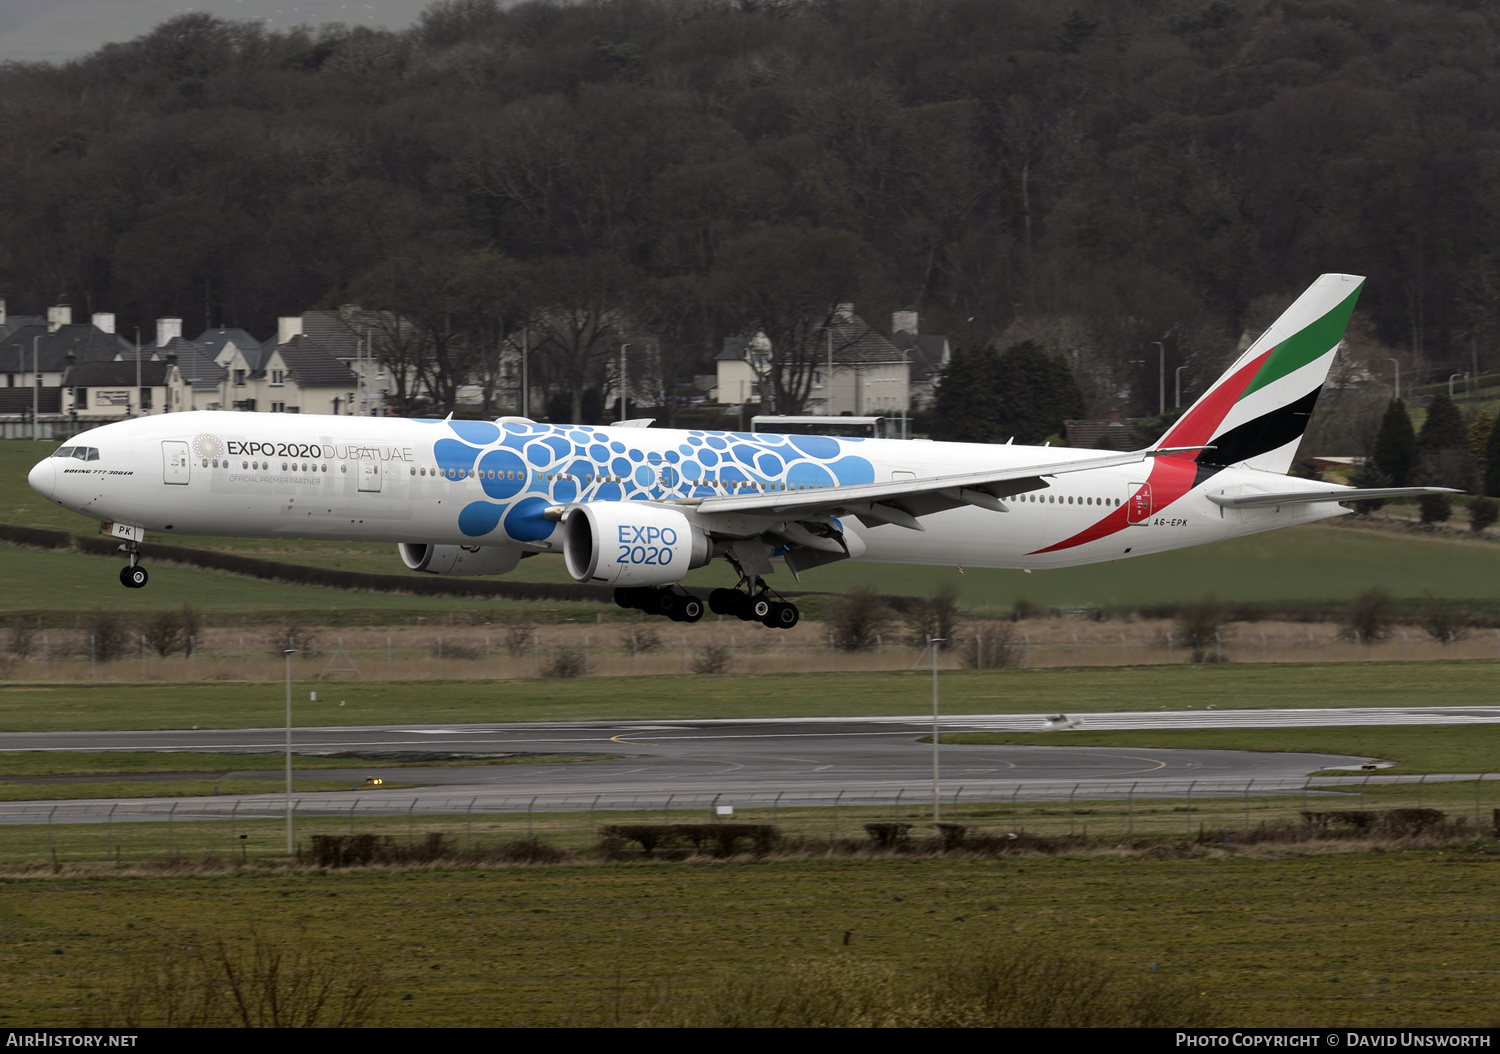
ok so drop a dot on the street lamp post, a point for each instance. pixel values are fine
(290, 651)
(1178, 379)
(1451, 378)
(36, 386)
(1161, 378)
(1396, 364)
(932, 644)
(623, 396)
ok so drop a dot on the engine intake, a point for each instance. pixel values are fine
(459, 559)
(629, 544)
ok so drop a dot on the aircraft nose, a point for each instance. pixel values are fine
(43, 477)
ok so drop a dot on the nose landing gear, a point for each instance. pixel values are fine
(133, 575)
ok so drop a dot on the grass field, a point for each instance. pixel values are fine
(1342, 940)
(223, 704)
(1318, 564)
(50, 775)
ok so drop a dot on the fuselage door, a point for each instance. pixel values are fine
(1138, 505)
(369, 475)
(175, 465)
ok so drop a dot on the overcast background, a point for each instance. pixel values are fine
(58, 30)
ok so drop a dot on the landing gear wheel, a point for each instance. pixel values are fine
(658, 601)
(133, 577)
(688, 609)
(756, 609)
(634, 597)
(725, 601)
(782, 616)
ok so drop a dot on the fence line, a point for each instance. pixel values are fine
(1223, 809)
(372, 803)
(711, 649)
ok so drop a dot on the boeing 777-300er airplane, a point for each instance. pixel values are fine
(636, 508)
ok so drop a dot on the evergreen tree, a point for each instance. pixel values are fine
(1037, 393)
(1492, 465)
(1396, 445)
(1479, 437)
(1444, 427)
(965, 404)
(1444, 448)
(990, 397)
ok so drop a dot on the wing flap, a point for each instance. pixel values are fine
(1307, 497)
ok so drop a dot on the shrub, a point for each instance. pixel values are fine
(1483, 512)
(640, 638)
(1369, 477)
(455, 650)
(857, 618)
(109, 634)
(253, 981)
(1445, 620)
(1025, 609)
(934, 617)
(994, 985)
(889, 835)
(1436, 508)
(292, 635)
(712, 658)
(1198, 628)
(192, 628)
(1370, 616)
(567, 662)
(23, 633)
(519, 638)
(164, 633)
(991, 647)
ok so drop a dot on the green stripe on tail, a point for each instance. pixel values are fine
(1305, 345)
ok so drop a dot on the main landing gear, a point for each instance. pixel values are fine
(661, 600)
(133, 575)
(756, 605)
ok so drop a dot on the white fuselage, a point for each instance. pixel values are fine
(396, 480)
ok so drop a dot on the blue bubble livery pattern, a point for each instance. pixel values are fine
(590, 464)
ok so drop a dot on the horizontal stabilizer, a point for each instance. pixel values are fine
(1306, 497)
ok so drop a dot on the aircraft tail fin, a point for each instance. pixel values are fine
(1256, 412)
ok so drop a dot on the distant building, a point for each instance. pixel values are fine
(1109, 433)
(870, 375)
(114, 390)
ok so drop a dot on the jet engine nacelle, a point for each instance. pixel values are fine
(459, 559)
(630, 544)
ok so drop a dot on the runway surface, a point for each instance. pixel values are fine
(808, 759)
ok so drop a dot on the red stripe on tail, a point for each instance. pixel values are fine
(1198, 425)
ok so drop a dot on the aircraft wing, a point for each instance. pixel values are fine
(1305, 497)
(903, 501)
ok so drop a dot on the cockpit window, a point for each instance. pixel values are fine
(82, 453)
(93, 453)
(66, 451)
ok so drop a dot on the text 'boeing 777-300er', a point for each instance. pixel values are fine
(637, 508)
